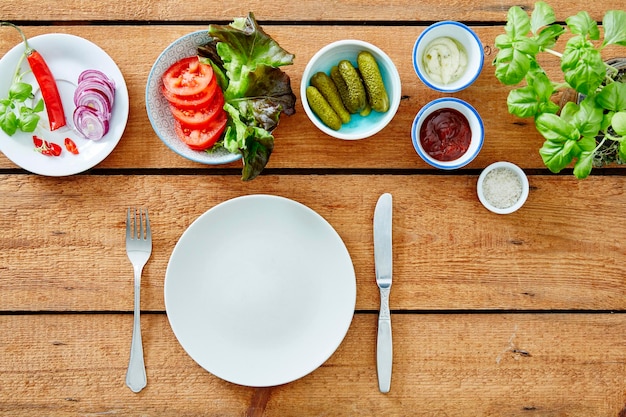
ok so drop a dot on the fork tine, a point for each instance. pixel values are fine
(148, 233)
(128, 223)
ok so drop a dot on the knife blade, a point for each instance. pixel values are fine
(384, 267)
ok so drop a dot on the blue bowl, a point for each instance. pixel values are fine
(464, 36)
(476, 126)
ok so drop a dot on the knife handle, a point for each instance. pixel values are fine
(384, 347)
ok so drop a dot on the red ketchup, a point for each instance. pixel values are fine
(445, 134)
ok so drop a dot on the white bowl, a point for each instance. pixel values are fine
(359, 127)
(502, 187)
(476, 127)
(464, 36)
(157, 106)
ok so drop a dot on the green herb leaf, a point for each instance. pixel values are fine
(511, 66)
(588, 118)
(20, 91)
(582, 24)
(618, 122)
(613, 97)
(584, 164)
(614, 24)
(548, 36)
(555, 129)
(582, 65)
(257, 91)
(8, 121)
(518, 23)
(542, 15)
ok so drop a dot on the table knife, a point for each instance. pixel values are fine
(383, 262)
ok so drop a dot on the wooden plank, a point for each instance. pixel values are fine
(62, 243)
(171, 10)
(461, 365)
(298, 143)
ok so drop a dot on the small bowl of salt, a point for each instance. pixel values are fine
(502, 187)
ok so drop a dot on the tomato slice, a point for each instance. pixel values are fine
(202, 139)
(187, 77)
(199, 118)
(192, 102)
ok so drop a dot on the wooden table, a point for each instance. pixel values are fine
(518, 315)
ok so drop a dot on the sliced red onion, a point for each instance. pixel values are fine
(89, 123)
(95, 99)
(94, 73)
(93, 84)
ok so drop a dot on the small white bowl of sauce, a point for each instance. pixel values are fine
(448, 56)
(448, 133)
(502, 187)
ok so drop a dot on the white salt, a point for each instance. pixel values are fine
(502, 187)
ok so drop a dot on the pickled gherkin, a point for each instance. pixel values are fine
(322, 108)
(328, 88)
(373, 80)
(356, 98)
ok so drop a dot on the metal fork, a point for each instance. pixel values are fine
(138, 249)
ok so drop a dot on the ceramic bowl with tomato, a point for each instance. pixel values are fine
(359, 127)
(447, 133)
(164, 112)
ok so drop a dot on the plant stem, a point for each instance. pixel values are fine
(553, 52)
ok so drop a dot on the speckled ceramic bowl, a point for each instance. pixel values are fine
(158, 109)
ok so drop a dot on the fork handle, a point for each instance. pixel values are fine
(136, 374)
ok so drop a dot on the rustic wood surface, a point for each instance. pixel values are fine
(518, 315)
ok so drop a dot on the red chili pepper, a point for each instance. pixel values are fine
(45, 147)
(70, 145)
(46, 81)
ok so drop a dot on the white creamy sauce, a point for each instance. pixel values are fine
(445, 60)
(502, 187)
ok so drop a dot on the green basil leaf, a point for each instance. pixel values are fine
(511, 66)
(582, 66)
(588, 118)
(553, 128)
(614, 24)
(613, 97)
(543, 15)
(28, 122)
(8, 122)
(618, 121)
(503, 41)
(540, 82)
(20, 91)
(569, 110)
(582, 24)
(555, 156)
(39, 106)
(526, 46)
(548, 36)
(522, 102)
(583, 166)
(518, 23)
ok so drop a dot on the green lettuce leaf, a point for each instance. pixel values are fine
(256, 90)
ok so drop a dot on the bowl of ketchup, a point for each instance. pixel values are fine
(447, 133)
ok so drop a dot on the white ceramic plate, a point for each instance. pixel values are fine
(260, 290)
(67, 56)
(158, 108)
